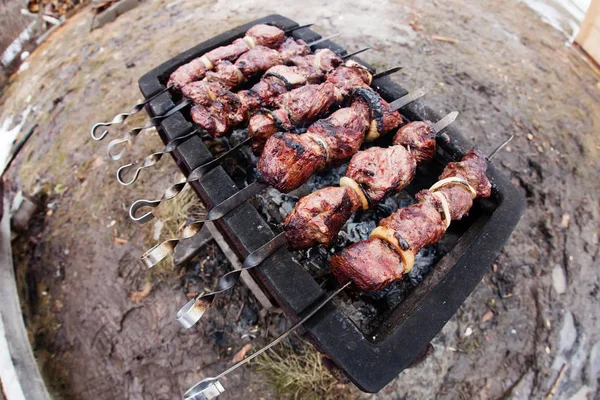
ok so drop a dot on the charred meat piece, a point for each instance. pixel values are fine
(203, 93)
(266, 35)
(382, 118)
(263, 35)
(370, 264)
(288, 160)
(318, 217)
(258, 60)
(323, 59)
(419, 137)
(472, 168)
(380, 171)
(293, 76)
(219, 116)
(226, 74)
(342, 133)
(264, 125)
(350, 76)
(418, 225)
(292, 48)
(307, 103)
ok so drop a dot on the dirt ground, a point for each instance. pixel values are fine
(506, 72)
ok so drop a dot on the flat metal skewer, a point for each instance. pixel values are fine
(120, 118)
(210, 388)
(298, 27)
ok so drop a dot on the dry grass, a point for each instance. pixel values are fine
(174, 214)
(302, 375)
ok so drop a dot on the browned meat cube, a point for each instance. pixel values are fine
(318, 217)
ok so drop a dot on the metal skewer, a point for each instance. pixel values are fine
(191, 313)
(153, 158)
(153, 122)
(120, 118)
(298, 27)
(210, 388)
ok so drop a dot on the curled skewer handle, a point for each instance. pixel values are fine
(120, 118)
(193, 311)
(137, 205)
(131, 135)
(151, 160)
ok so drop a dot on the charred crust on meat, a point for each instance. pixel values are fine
(278, 123)
(365, 191)
(287, 83)
(403, 243)
(373, 102)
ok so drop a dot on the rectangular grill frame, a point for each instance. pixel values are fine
(370, 362)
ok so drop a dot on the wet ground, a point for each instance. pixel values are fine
(530, 327)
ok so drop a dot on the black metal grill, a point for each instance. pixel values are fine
(370, 361)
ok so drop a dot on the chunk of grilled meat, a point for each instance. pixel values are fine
(380, 171)
(263, 35)
(370, 264)
(288, 160)
(319, 217)
(302, 106)
(297, 109)
(323, 59)
(419, 137)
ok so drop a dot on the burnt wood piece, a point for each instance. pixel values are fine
(370, 361)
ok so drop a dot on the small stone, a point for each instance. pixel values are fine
(468, 331)
(158, 227)
(564, 221)
(112, 223)
(547, 350)
(66, 252)
(568, 333)
(508, 149)
(529, 136)
(559, 280)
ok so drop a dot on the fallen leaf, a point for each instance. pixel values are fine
(487, 316)
(120, 240)
(240, 355)
(138, 296)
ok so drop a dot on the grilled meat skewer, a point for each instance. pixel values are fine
(227, 110)
(390, 251)
(259, 35)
